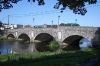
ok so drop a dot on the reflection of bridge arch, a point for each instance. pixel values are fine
(24, 37)
(10, 36)
(43, 40)
(85, 42)
(72, 42)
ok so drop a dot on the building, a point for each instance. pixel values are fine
(12, 26)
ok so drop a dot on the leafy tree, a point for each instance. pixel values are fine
(1, 24)
(77, 6)
(62, 24)
(1, 31)
(6, 4)
(69, 24)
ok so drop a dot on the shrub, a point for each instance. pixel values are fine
(54, 45)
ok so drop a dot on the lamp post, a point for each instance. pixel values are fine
(58, 21)
(33, 23)
(75, 20)
(8, 19)
(52, 24)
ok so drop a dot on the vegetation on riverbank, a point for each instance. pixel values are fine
(3, 38)
(64, 58)
(54, 45)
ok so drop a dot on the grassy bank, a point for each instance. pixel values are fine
(70, 58)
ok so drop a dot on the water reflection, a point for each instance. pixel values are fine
(84, 43)
(7, 47)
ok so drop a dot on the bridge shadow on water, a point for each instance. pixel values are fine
(43, 43)
(72, 42)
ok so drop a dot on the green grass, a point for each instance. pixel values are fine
(48, 59)
(88, 49)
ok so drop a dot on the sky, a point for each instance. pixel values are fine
(30, 13)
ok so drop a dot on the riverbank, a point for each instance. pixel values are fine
(64, 58)
(3, 38)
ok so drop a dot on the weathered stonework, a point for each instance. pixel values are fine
(61, 33)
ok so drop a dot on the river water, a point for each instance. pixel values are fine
(7, 47)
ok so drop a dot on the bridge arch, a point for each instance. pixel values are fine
(24, 37)
(72, 42)
(42, 41)
(10, 36)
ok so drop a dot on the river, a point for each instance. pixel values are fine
(7, 47)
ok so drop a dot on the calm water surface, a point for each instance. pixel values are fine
(7, 47)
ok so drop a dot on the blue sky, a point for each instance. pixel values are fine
(24, 12)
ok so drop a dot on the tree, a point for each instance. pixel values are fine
(77, 6)
(1, 24)
(6, 4)
(69, 24)
(1, 31)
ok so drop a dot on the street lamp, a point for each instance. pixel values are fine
(52, 24)
(58, 21)
(75, 20)
(33, 23)
(8, 19)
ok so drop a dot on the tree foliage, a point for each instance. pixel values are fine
(1, 24)
(77, 6)
(69, 24)
(6, 4)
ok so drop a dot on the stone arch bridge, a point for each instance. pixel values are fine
(69, 34)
